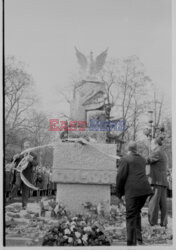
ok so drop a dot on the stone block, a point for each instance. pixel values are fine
(73, 196)
(33, 207)
(18, 241)
(76, 163)
(84, 173)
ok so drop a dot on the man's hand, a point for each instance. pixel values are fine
(29, 158)
(16, 156)
(82, 141)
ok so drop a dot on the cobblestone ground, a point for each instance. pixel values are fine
(27, 228)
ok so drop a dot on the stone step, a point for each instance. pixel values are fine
(118, 243)
(17, 241)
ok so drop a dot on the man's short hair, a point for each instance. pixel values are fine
(132, 146)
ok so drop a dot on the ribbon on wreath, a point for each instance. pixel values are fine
(79, 140)
(20, 168)
(84, 141)
(24, 162)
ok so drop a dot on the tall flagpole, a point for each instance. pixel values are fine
(151, 129)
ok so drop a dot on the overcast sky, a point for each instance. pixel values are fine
(43, 33)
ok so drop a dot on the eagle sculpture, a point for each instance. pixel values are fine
(94, 66)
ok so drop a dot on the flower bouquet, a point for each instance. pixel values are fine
(55, 210)
(76, 231)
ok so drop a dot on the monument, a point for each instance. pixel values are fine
(84, 172)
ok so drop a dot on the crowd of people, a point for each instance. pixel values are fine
(41, 178)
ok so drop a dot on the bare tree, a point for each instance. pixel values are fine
(38, 128)
(133, 88)
(38, 131)
(18, 97)
(157, 109)
(109, 76)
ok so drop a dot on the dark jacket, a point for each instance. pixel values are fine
(131, 178)
(40, 180)
(158, 168)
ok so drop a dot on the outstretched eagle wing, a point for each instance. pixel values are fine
(100, 61)
(82, 60)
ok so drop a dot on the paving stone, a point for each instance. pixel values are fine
(17, 241)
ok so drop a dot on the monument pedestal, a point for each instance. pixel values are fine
(84, 173)
(73, 196)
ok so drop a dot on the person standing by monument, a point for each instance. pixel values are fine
(159, 183)
(132, 182)
(31, 160)
(8, 179)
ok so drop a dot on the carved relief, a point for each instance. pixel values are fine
(89, 95)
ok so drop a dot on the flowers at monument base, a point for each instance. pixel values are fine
(98, 209)
(78, 235)
(67, 231)
(56, 210)
(58, 236)
(87, 229)
(83, 234)
(92, 229)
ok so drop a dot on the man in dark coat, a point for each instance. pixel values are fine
(28, 173)
(133, 183)
(158, 177)
(8, 179)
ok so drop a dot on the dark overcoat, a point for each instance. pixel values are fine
(131, 178)
(158, 168)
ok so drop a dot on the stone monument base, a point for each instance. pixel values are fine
(73, 196)
(84, 173)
